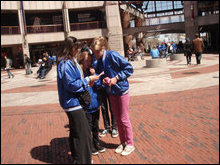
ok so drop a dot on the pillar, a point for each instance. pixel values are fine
(66, 22)
(115, 34)
(191, 19)
(138, 23)
(21, 19)
(126, 24)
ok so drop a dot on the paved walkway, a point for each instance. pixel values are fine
(174, 112)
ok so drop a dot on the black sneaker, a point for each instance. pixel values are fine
(94, 151)
(100, 148)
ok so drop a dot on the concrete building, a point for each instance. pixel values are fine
(32, 27)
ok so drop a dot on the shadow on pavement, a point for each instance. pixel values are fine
(58, 152)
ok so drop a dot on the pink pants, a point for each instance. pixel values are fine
(120, 108)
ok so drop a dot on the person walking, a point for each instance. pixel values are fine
(116, 71)
(27, 62)
(70, 82)
(8, 64)
(198, 48)
(188, 51)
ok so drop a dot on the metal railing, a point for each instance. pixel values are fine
(45, 28)
(87, 25)
(7, 30)
(52, 28)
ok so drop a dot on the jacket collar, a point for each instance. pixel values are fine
(104, 57)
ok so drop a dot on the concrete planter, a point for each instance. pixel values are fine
(155, 63)
(176, 57)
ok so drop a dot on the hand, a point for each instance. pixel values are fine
(91, 84)
(92, 71)
(93, 78)
(113, 81)
(106, 81)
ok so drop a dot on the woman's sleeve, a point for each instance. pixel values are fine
(125, 68)
(72, 82)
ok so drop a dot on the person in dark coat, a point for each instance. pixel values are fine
(27, 62)
(188, 51)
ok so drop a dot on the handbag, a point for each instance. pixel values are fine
(84, 98)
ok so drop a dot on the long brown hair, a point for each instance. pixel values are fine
(67, 53)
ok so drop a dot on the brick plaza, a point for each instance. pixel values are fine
(174, 112)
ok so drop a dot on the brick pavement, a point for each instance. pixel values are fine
(180, 126)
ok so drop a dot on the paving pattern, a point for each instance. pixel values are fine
(174, 112)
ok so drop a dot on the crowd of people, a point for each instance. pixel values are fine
(163, 50)
(45, 65)
(98, 74)
(132, 52)
(188, 48)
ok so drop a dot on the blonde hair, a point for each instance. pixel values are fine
(99, 43)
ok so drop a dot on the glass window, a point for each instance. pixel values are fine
(164, 20)
(154, 21)
(151, 6)
(150, 15)
(178, 12)
(177, 4)
(164, 5)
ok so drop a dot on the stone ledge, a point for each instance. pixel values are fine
(176, 57)
(155, 63)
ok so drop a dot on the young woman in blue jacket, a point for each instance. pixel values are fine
(70, 81)
(116, 71)
(92, 112)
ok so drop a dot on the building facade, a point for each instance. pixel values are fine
(32, 27)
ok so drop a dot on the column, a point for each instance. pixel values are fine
(21, 17)
(191, 19)
(115, 34)
(126, 24)
(66, 22)
(139, 23)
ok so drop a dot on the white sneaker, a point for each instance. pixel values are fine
(119, 149)
(128, 149)
(103, 133)
(114, 133)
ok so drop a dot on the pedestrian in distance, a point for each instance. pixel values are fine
(116, 71)
(8, 63)
(70, 82)
(92, 112)
(27, 62)
(198, 46)
(46, 67)
(188, 51)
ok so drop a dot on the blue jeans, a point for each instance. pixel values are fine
(43, 73)
(9, 73)
(198, 57)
